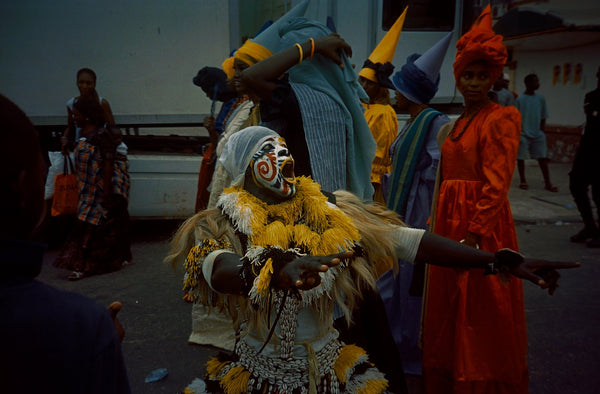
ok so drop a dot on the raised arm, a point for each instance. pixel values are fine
(261, 77)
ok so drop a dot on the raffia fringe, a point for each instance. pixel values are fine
(236, 380)
(350, 355)
(214, 366)
(195, 287)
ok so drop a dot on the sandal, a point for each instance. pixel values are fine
(76, 275)
(551, 188)
(523, 185)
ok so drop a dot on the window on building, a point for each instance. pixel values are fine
(254, 13)
(423, 15)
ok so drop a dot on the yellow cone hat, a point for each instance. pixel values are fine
(384, 52)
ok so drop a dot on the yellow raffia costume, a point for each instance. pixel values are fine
(287, 342)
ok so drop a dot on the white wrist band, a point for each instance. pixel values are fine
(208, 264)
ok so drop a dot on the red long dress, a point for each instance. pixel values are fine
(475, 338)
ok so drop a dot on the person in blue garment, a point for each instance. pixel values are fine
(534, 113)
(213, 82)
(409, 191)
(313, 101)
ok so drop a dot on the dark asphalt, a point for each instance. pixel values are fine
(563, 330)
(564, 350)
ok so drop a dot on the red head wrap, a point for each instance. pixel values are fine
(481, 43)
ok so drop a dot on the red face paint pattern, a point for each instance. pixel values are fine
(267, 169)
(267, 164)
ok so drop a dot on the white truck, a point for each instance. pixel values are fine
(146, 52)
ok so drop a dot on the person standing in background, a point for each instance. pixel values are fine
(409, 193)
(213, 82)
(534, 113)
(374, 77)
(86, 83)
(586, 170)
(100, 240)
(474, 334)
(504, 96)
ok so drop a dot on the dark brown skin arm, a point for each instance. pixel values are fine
(209, 124)
(108, 112)
(65, 137)
(443, 252)
(260, 78)
(225, 276)
(301, 273)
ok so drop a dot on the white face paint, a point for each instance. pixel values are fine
(273, 167)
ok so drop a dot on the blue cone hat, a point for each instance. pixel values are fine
(418, 80)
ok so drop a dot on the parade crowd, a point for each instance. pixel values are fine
(331, 250)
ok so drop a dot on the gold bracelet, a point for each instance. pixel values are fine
(312, 47)
(462, 241)
(301, 53)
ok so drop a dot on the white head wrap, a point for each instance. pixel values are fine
(240, 148)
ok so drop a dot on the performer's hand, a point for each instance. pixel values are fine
(303, 272)
(330, 45)
(114, 308)
(542, 272)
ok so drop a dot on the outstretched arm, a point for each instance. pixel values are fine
(260, 79)
(440, 251)
(301, 273)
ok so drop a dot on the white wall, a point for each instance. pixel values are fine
(145, 52)
(565, 101)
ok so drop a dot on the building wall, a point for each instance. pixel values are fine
(565, 96)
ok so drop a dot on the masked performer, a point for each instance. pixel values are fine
(279, 254)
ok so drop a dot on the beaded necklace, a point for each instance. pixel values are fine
(236, 104)
(466, 126)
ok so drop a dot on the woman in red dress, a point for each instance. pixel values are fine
(475, 338)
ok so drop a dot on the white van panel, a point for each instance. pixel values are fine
(163, 185)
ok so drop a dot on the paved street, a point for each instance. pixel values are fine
(563, 329)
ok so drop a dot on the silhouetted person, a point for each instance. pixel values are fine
(53, 341)
(586, 170)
